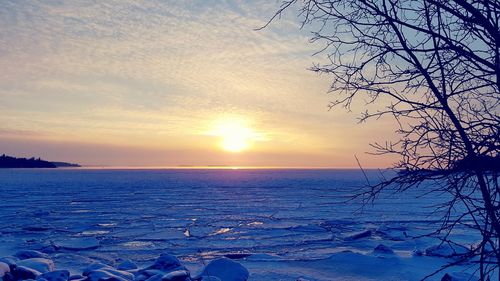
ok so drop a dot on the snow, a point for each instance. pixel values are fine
(279, 224)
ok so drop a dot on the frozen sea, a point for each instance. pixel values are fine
(282, 224)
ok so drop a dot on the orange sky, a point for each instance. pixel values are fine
(167, 84)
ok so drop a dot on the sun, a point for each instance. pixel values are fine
(234, 135)
(233, 143)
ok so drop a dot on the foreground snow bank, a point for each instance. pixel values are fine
(34, 265)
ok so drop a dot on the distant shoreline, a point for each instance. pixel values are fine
(11, 162)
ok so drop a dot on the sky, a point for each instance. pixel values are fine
(170, 83)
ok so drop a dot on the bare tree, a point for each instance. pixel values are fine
(434, 66)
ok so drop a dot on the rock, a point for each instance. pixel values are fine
(359, 235)
(126, 265)
(106, 269)
(167, 263)
(29, 254)
(4, 269)
(23, 273)
(76, 277)
(383, 249)
(209, 278)
(226, 269)
(10, 261)
(156, 277)
(120, 273)
(103, 275)
(178, 275)
(48, 249)
(92, 267)
(58, 275)
(152, 272)
(165, 268)
(141, 277)
(135, 271)
(78, 244)
(8, 277)
(39, 264)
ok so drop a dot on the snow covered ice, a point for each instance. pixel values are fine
(278, 224)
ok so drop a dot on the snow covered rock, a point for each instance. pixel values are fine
(121, 273)
(4, 268)
(100, 270)
(42, 265)
(126, 265)
(58, 275)
(156, 277)
(23, 273)
(140, 276)
(209, 278)
(445, 250)
(167, 263)
(7, 277)
(383, 249)
(226, 269)
(178, 275)
(92, 267)
(152, 272)
(103, 274)
(100, 275)
(10, 261)
(29, 254)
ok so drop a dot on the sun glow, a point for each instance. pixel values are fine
(235, 135)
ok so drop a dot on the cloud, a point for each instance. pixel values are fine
(13, 133)
(156, 72)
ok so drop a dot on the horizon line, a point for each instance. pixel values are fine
(216, 167)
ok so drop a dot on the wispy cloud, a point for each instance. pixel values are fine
(154, 71)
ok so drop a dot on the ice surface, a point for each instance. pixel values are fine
(280, 224)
